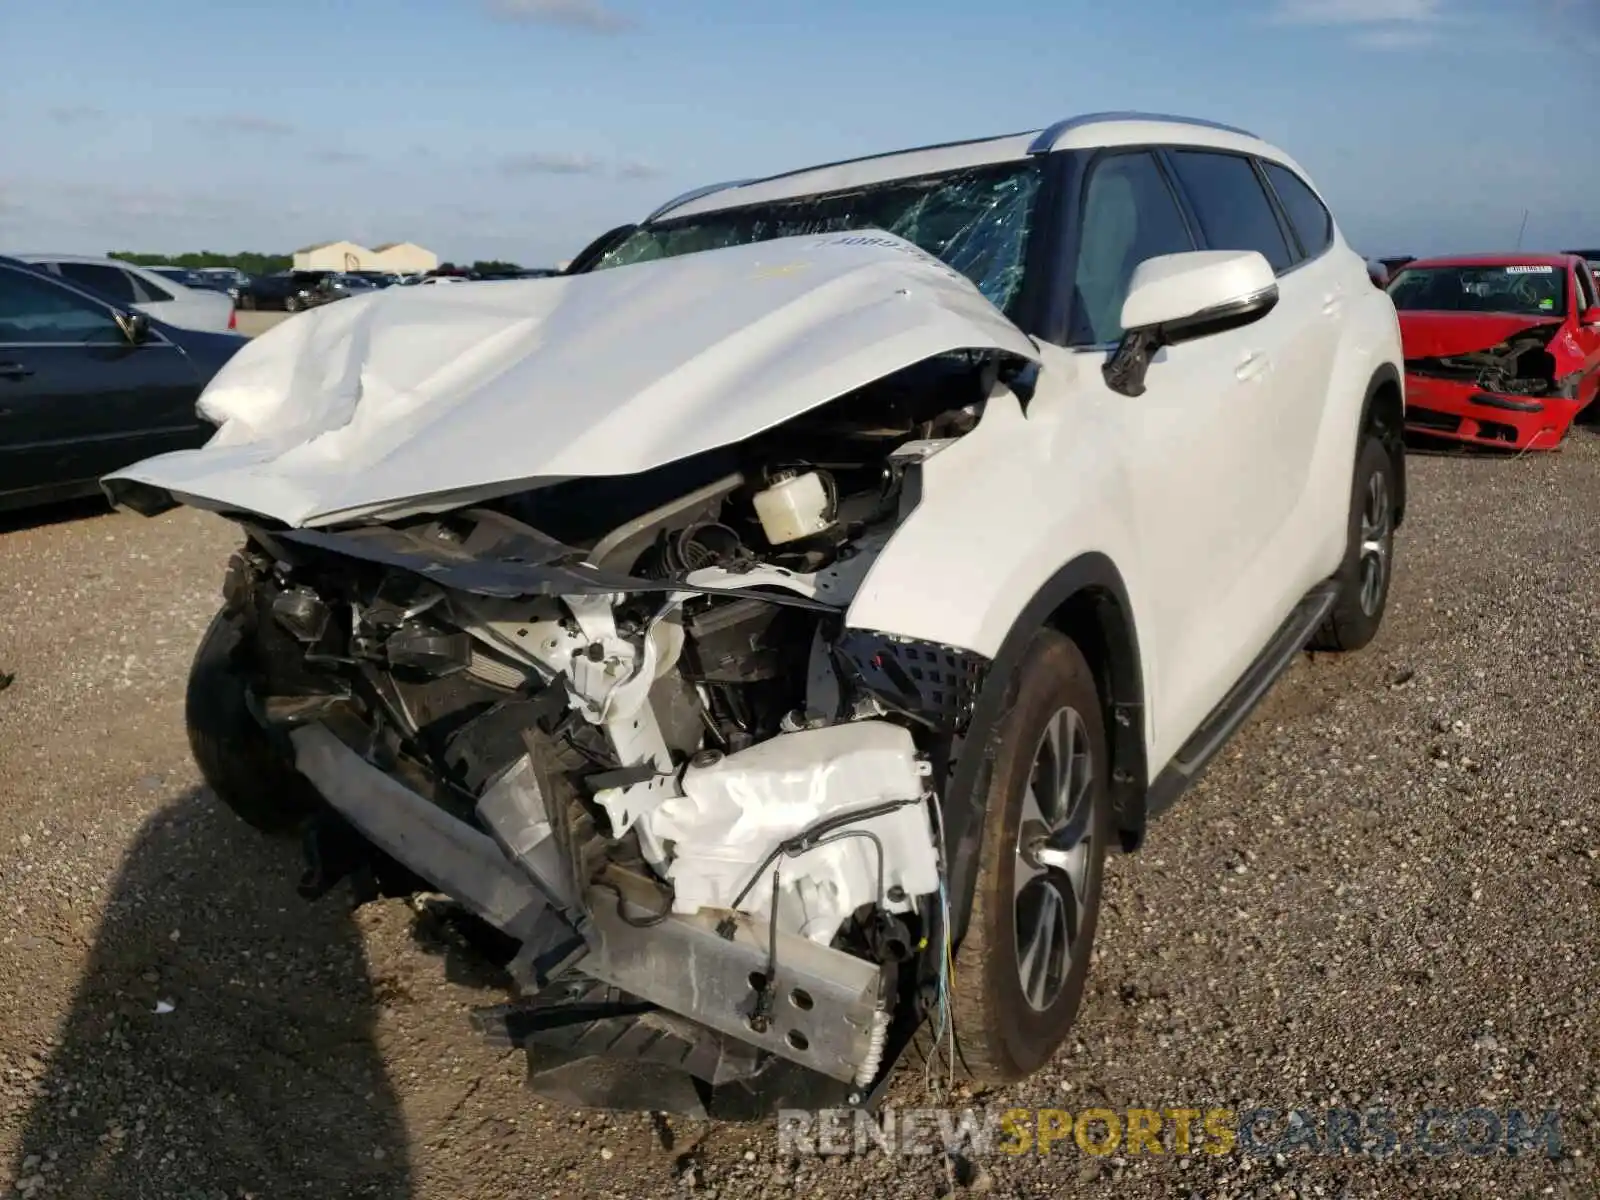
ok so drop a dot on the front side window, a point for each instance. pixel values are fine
(977, 221)
(1129, 215)
(34, 311)
(109, 282)
(1234, 212)
(1310, 219)
(1519, 289)
(1586, 289)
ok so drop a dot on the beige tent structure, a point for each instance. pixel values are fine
(399, 257)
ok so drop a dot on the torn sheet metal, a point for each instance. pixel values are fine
(820, 1010)
(419, 400)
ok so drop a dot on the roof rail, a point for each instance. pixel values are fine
(692, 194)
(1048, 137)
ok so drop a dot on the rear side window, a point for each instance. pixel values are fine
(1129, 215)
(1307, 216)
(109, 282)
(149, 292)
(1234, 211)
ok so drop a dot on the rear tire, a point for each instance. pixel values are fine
(1368, 565)
(1020, 974)
(247, 302)
(232, 750)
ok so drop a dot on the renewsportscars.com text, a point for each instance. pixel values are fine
(1175, 1130)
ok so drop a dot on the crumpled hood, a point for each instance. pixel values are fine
(1443, 334)
(421, 399)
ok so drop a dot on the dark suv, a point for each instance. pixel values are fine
(289, 290)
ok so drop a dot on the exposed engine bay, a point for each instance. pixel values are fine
(1521, 365)
(623, 720)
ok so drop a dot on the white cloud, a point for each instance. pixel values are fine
(250, 124)
(566, 162)
(338, 158)
(1372, 24)
(551, 162)
(71, 114)
(588, 15)
(1395, 37)
(1359, 12)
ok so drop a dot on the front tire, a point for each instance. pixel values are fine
(1368, 565)
(291, 304)
(1020, 975)
(232, 750)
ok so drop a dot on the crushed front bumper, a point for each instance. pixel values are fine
(701, 1008)
(1463, 412)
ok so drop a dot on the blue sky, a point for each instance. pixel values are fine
(520, 128)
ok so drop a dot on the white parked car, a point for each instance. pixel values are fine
(161, 297)
(808, 592)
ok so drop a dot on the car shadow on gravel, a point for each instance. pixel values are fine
(220, 1042)
(60, 513)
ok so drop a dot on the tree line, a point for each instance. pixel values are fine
(247, 261)
(252, 263)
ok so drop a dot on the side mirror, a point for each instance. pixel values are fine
(1591, 316)
(1180, 297)
(135, 327)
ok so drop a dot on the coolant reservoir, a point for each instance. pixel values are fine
(795, 506)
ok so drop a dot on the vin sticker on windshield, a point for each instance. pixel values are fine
(1546, 270)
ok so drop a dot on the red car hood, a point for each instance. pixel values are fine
(1442, 334)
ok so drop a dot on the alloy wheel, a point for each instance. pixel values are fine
(1377, 520)
(1052, 858)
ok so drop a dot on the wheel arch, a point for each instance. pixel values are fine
(1384, 413)
(1087, 601)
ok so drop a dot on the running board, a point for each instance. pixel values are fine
(1223, 722)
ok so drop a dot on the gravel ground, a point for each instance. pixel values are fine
(252, 323)
(1383, 893)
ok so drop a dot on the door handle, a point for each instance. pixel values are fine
(14, 371)
(1333, 302)
(1252, 366)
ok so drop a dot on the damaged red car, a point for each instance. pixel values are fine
(1501, 350)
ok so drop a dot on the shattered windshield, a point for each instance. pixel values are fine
(1530, 290)
(976, 221)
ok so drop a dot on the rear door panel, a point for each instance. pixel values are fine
(76, 399)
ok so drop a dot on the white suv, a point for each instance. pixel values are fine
(772, 622)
